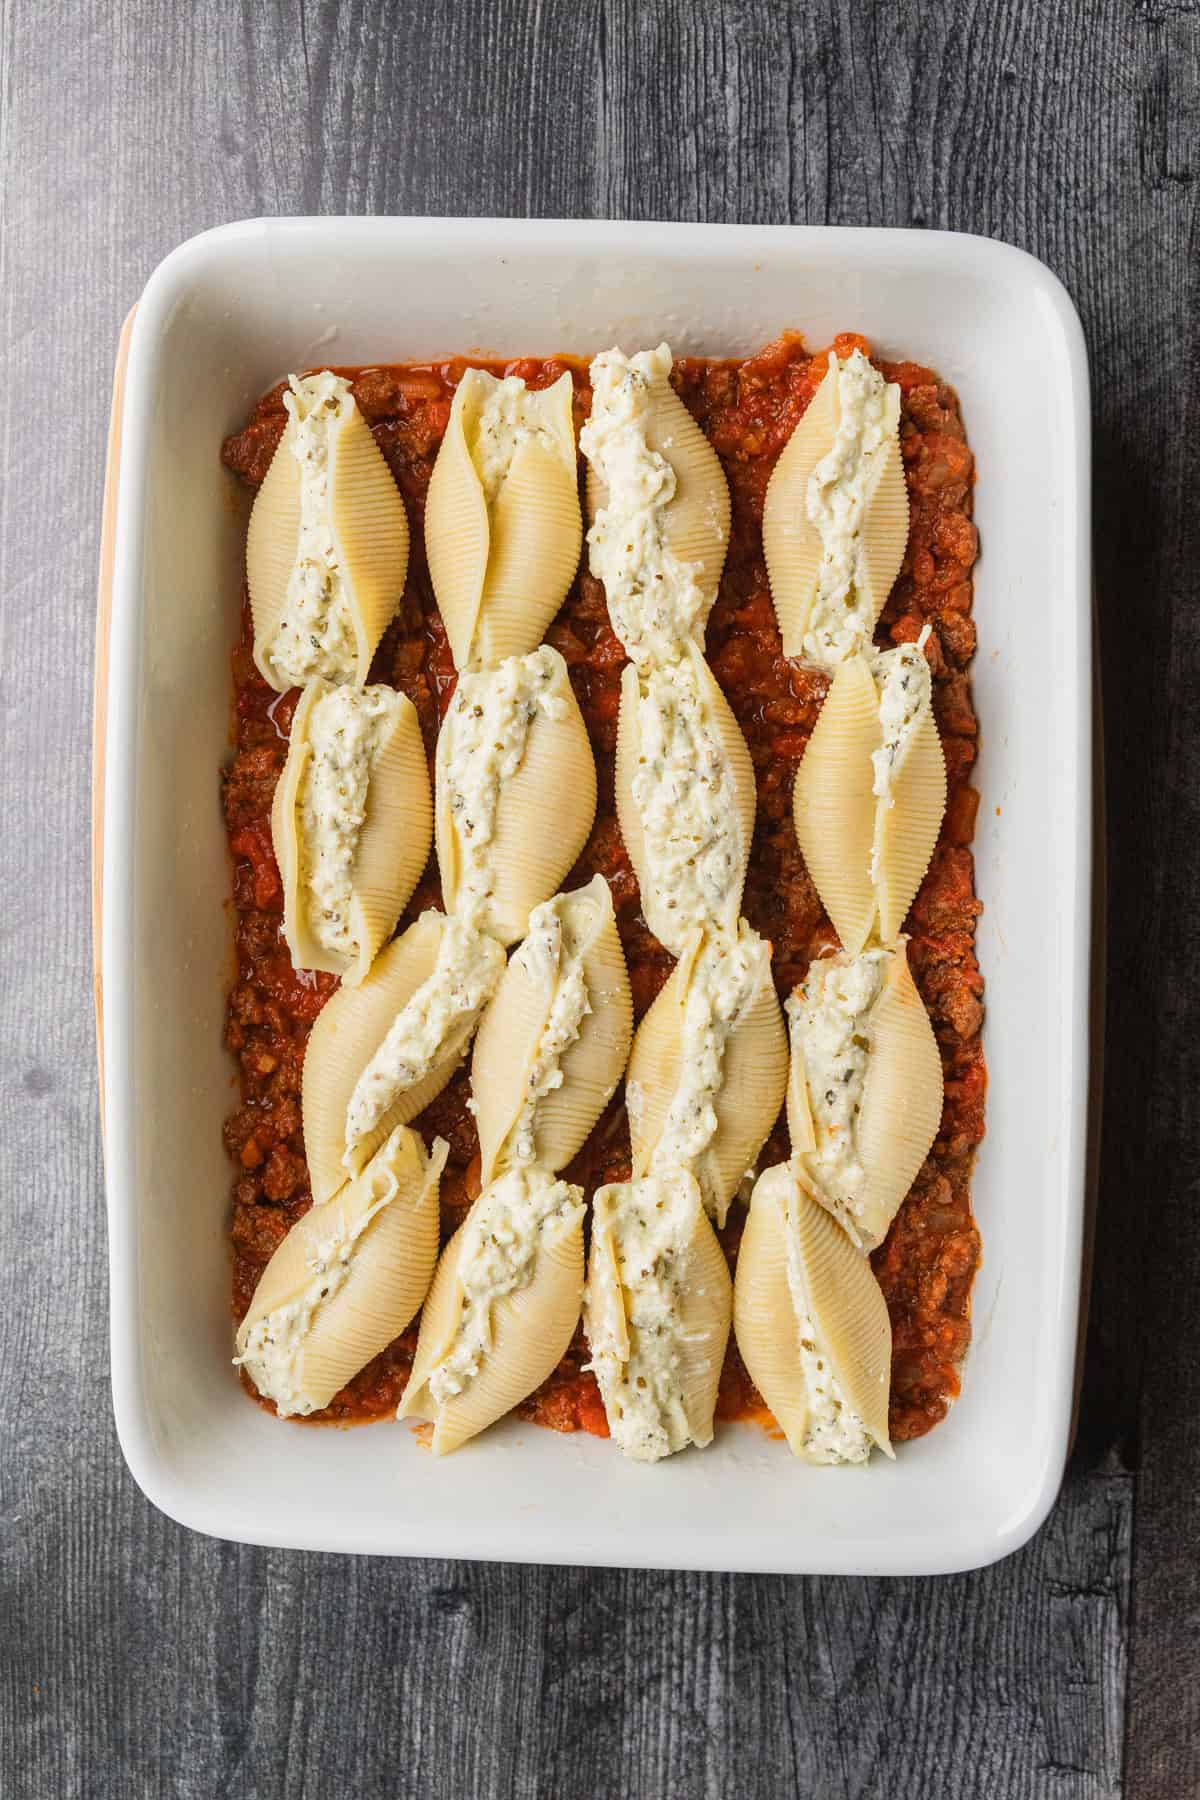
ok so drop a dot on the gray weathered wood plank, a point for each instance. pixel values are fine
(140, 1660)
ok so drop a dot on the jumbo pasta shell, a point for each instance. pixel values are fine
(628, 1357)
(905, 833)
(500, 573)
(530, 1329)
(370, 529)
(543, 818)
(672, 924)
(366, 516)
(392, 846)
(753, 1075)
(834, 804)
(377, 1243)
(792, 544)
(348, 1031)
(846, 1306)
(510, 1053)
(902, 1099)
(695, 521)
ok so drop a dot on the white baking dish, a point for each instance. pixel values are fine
(221, 319)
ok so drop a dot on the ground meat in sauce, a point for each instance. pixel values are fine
(927, 1263)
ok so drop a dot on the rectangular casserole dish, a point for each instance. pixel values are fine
(221, 319)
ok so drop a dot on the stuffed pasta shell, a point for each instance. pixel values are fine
(708, 1070)
(351, 823)
(871, 791)
(685, 797)
(503, 1307)
(658, 503)
(835, 516)
(346, 1280)
(812, 1325)
(656, 1312)
(552, 1045)
(865, 1088)
(380, 1052)
(327, 547)
(502, 522)
(515, 791)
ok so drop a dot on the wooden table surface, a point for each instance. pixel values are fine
(139, 1659)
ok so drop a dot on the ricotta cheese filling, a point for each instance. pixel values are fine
(724, 977)
(315, 636)
(687, 804)
(835, 503)
(553, 959)
(652, 1225)
(346, 728)
(441, 1015)
(499, 1254)
(905, 693)
(834, 1432)
(509, 419)
(274, 1349)
(483, 743)
(654, 600)
(831, 1040)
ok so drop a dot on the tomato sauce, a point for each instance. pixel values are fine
(748, 410)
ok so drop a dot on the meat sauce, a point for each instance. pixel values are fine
(748, 410)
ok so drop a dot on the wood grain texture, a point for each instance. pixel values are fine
(137, 1659)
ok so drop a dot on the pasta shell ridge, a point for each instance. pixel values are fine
(457, 528)
(393, 846)
(655, 1060)
(845, 1306)
(834, 804)
(883, 534)
(752, 1091)
(906, 832)
(346, 1034)
(271, 542)
(848, 1310)
(530, 1329)
(902, 1099)
(764, 1318)
(512, 1031)
(791, 542)
(536, 536)
(375, 1243)
(370, 529)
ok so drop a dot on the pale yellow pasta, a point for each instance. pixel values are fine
(503, 1307)
(346, 1280)
(327, 547)
(502, 521)
(553, 1043)
(812, 1325)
